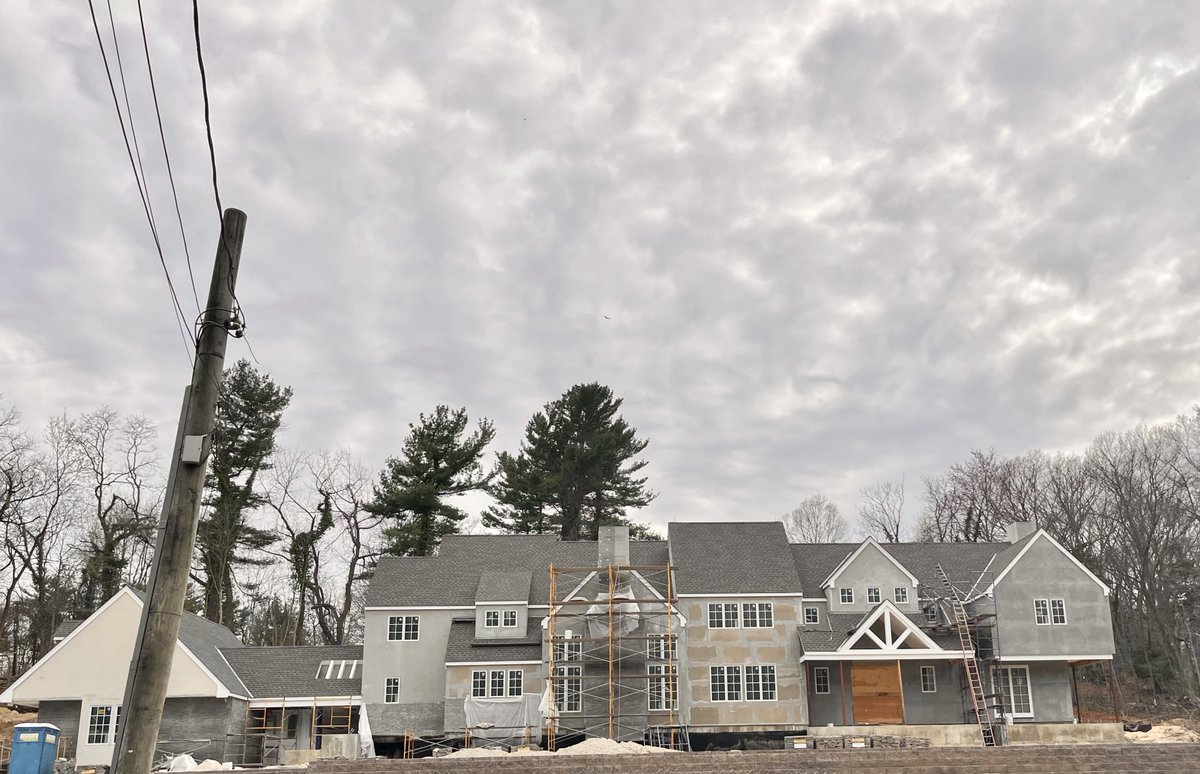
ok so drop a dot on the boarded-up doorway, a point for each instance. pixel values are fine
(877, 694)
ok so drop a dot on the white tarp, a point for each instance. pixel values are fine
(626, 614)
(366, 745)
(503, 718)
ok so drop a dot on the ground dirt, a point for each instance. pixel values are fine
(1173, 730)
(586, 747)
(9, 718)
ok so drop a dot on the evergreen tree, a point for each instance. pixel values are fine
(249, 414)
(576, 470)
(436, 462)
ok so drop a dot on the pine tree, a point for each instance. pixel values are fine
(436, 462)
(249, 414)
(576, 469)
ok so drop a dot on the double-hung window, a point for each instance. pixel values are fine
(516, 682)
(661, 647)
(664, 688)
(820, 679)
(568, 688)
(846, 596)
(928, 679)
(391, 690)
(931, 614)
(404, 627)
(570, 649)
(491, 619)
(496, 683)
(725, 683)
(812, 615)
(1015, 690)
(760, 682)
(1058, 611)
(758, 615)
(101, 728)
(479, 683)
(510, 619)
(900, 594)
(1041, 612)
(722, 615)
(874, 597)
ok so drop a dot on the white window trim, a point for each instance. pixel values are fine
(932, 672)
(670, 678)
(746, 682)
(842, 596)
(1008, 701)
(725, 683)
(758, 609)
(828, 682)
(849, 560)
(568, 672)
(516, 619)
(403, 628)
(737, 608)
(878, 595)
(509, 682)
(110, 735)
(899, 591)
(817, 618)
(471, 689)
(1063, 604)
(1045, 602)
(489, 615)
(387, 680)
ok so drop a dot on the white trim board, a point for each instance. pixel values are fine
(300, 702)
(1041, 533)
(1066, 657)
(495, 664)
(837, 571)
(747, 595)
(886, 610)
(402, 608)
(882, 656)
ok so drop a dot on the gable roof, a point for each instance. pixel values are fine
(849, 560)
(462, 647)
(65, 628)
(963, 562)
(1009, 558)
(836, 629)
(290, 671)
(452, 578)
(732, 558)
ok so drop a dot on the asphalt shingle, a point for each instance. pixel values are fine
(733, 558)
(503, 586)
(463, 647)
(963, 562)
(292, 671)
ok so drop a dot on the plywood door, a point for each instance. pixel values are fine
(876, 692)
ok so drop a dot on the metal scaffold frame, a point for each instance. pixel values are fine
(967, 615)
(621, 610)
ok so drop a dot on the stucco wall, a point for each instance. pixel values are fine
(1050, 687)
(1044, 572)
(420, 664)
(827, 707)
(871, 568)
(942, 706)
(501, 632)
(714, 647)
(94, 662)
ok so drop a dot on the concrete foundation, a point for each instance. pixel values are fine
(966, 735)
(1066, 733)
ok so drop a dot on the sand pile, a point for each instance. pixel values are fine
(1167, 731)
(10, 717)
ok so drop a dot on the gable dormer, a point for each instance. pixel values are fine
(867, 577)
(502, 605)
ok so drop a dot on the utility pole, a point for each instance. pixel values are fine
(150, 669)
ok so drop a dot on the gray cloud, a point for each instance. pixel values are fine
(833, 244)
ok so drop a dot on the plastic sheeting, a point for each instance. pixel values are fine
(505, 718)
(626, 614)
(366, 745)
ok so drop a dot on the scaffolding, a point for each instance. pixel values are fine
(966, 612)
(611, 650)
(330, 720)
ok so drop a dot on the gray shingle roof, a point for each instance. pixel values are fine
(205, 639)
(452, 577)
(836, 627)
(66, 627)
(463, 647)
(963, 562)
(733, 558)
(503, 586)
(291, 671)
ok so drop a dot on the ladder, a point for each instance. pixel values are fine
(669, 737)
(983, 717)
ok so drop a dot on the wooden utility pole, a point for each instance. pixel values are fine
(146, 690)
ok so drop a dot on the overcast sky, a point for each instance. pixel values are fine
(812, 245)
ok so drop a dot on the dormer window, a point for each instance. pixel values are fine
(510, 619)
(491, 619)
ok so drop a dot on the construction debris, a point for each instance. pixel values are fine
(1174, 730)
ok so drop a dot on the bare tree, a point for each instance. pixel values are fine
(816, 520)
(881, 511)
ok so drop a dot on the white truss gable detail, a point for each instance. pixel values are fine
(889, 631)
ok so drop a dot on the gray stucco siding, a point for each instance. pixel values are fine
(826, 708)
(419, 664)
(871, 568)
(1044, 572)
(944, 705)
(483, 632)
(1050, 691)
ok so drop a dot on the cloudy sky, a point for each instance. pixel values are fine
(812, 245)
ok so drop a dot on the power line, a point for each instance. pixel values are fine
(167, 156)
(180, 317)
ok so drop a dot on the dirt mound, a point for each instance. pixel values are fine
(1174, 730)
(9, 718)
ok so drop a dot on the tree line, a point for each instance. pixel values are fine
(287, 539)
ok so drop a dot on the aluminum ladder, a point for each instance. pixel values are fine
(983, 716)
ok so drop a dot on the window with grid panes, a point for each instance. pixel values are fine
(661, 647)
(723, 615)
(516, 682)
(900, 593)
(568, 688)
(812, 615)
(873, 595)
(1041, 612)
(496, 683)
(928, 680)
(758, 615)
(404, 627)
(100, 725)
(510, 618)
(570, 649)
(725, 683)
(846, 596)
(391, 690)
(479, 683)
(820, 679)
(1058, 611)
(760, 682)
(491, 619)
(663, 691)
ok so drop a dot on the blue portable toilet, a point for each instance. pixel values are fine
(34, 747)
